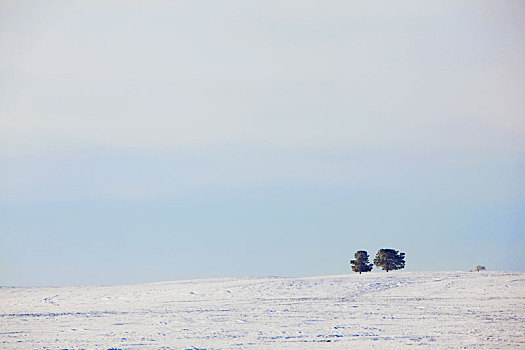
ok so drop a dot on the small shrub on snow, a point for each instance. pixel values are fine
(479, 268)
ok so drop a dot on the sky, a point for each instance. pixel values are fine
(145, 141)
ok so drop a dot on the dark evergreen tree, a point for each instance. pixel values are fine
(361, 263)
(389, 259)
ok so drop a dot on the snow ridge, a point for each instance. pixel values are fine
(440, 310)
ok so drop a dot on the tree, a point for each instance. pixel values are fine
(389, 259)
(361, 263)
(479, 268)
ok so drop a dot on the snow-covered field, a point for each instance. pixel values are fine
(374, 310)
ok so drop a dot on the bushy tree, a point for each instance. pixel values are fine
(361, 263)
(389, 259)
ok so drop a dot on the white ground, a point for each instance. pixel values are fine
(373, 310)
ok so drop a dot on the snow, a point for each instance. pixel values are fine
(395, 310)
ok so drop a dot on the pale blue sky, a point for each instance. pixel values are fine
(158, 140)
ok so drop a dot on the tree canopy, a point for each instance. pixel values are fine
(389, 259)
(361, 263)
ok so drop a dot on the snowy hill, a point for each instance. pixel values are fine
(374, 310)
